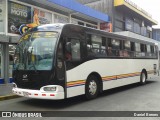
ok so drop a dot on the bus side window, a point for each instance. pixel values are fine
(68, 51)
(148, 54)
(72, 50)
(143, 50)
(153, 51)
(138, 50)
(103, 47)
(96, 45)
(89, 46)
(60, 51)
(109, 47)
(115, 47)
(132, 49)
(127, 48)
(75, 50)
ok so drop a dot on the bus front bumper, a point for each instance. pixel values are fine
(41, 94)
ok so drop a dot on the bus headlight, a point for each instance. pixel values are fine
(49, 88)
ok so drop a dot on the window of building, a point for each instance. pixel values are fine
(91, 26)
(137, 28)
(60, 19)
(80, 23)
(128, 24)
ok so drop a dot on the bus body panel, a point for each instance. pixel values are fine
(113, 72)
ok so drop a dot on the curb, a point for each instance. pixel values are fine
(7, 97)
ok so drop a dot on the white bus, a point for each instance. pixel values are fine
(58, 61)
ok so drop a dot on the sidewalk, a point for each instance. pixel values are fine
(6, 92)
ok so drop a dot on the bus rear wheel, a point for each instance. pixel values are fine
(143, 78)
(91, 87)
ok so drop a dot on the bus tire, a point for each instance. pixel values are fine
(91, 87)
(143, 78)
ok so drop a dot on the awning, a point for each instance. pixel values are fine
(80, 8)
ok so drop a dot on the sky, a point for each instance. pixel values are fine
(152, 7)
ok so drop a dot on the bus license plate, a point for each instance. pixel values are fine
(26, 94)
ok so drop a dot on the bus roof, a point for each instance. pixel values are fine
(59, 27)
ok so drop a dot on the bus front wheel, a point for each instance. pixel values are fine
(91, 87)
(143, 78)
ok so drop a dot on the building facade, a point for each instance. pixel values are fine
(125, 15)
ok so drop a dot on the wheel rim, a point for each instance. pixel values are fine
(92, 87)
(143, 77)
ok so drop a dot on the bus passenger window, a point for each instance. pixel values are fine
(89, 46)
(148, 54)
(132, 49)
(60, 51)
(138, 50)
(72, 50)
(68, 51)
(115, 47)
(109, 49)
(127, 48)
(153, 51)
(75, 49)
(143, 50)
(103, 47)
(96, 45)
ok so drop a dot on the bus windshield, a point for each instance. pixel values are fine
(35, 51)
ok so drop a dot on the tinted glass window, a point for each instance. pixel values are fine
(72, 50)
(96, 46)
(137, 46)
(127, 45)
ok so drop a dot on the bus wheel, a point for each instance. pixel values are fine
(91, 87)
(143, 78)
